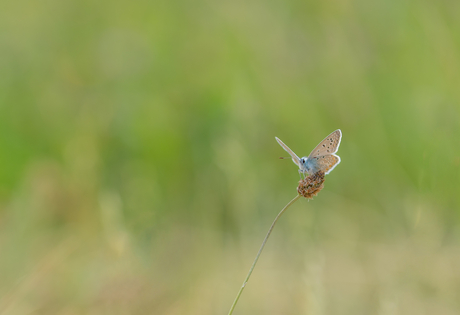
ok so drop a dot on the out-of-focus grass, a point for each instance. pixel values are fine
(139, 170)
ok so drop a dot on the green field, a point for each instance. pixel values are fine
(139, 170)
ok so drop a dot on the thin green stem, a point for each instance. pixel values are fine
(260, 251)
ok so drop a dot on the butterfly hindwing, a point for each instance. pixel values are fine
(325, 163)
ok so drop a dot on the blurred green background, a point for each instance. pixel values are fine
(139, 170)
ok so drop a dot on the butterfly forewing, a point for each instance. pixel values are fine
(294, 156)
(328, 146)
(326, 163)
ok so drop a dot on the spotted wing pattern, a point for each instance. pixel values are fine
(328, 146)
(294, 157)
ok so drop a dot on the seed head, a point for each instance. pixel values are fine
(311, 185)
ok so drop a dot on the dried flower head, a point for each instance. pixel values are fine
(311, 185)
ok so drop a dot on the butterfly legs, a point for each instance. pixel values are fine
(302, 173)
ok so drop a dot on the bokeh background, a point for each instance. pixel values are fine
(139, 170)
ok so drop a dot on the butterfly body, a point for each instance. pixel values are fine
(322, 158)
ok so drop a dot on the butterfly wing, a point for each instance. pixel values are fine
(294, 157)
(328, 146)
(325, 163)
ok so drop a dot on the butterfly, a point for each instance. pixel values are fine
(322, 158)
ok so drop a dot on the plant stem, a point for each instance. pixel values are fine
(260, 251)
